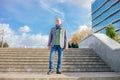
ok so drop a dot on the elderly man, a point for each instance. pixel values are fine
(57, 42)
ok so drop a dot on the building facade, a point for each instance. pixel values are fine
(105, 12)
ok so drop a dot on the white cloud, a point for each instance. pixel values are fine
(81, 27)
(28, 40)
(83, 3)
(24, 29)
(82, 30)
(7, 29)
(92, 1)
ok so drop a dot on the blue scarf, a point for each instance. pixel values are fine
(58, 26)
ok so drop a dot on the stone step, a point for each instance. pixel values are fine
(44, 49)
(30, 51)
(19, 55)
(43, 52)
(72, 68)
(32, 63)
(82, 59)
(46, 60)
(45, 70)
(63, 76)
(54, 61)
(34, 49)
(46, 65)
(46, 57)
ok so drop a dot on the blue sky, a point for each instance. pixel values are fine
(28, 22)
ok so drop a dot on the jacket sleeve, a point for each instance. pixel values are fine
(50, 38)
(65, 39)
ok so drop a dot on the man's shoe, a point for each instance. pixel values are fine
(58, 72)
(49, 72)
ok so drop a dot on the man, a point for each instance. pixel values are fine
(57, 42)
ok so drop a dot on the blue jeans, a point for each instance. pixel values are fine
(52, 56)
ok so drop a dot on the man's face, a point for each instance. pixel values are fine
(58, 21)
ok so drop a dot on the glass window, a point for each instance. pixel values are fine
(96, 4)
(114, 8)
(118, 32)
(101, 9)
(117, 25)
(110, 19)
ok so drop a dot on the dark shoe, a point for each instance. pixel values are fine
(58, 72)
(49, 72)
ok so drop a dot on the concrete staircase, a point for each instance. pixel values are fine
(36, 60)
(32, 64)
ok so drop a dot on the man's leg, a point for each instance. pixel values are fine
(60, 55)
(51, 58)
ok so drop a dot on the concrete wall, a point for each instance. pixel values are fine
(106, 48)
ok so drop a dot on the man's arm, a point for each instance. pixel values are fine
(50, 39)
(65, 40)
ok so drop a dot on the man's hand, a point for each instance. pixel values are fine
(48, 47)
(66, 48)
